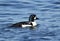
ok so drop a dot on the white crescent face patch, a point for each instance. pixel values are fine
(34, 17)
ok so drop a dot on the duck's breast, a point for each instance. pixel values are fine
(34, 23)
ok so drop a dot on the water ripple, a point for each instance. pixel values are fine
(56, 2)
(6, 4)
(12, 11)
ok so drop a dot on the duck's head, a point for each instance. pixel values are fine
(33, 17)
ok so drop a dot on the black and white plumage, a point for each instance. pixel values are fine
(29, 23)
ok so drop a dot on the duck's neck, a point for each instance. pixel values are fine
(31, 19)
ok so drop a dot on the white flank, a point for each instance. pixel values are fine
(26, 25)
(33, 24)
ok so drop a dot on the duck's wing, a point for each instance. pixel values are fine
(19, 24)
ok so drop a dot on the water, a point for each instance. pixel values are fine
(12, 11)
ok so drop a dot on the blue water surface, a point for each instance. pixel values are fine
(13, 11)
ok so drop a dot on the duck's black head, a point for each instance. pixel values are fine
(33, 17)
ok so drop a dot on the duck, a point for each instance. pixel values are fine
(30, 23)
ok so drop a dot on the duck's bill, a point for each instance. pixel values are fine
(37, 18)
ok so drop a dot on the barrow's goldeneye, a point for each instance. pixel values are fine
(30, 23)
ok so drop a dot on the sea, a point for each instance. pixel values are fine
(14, 11)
